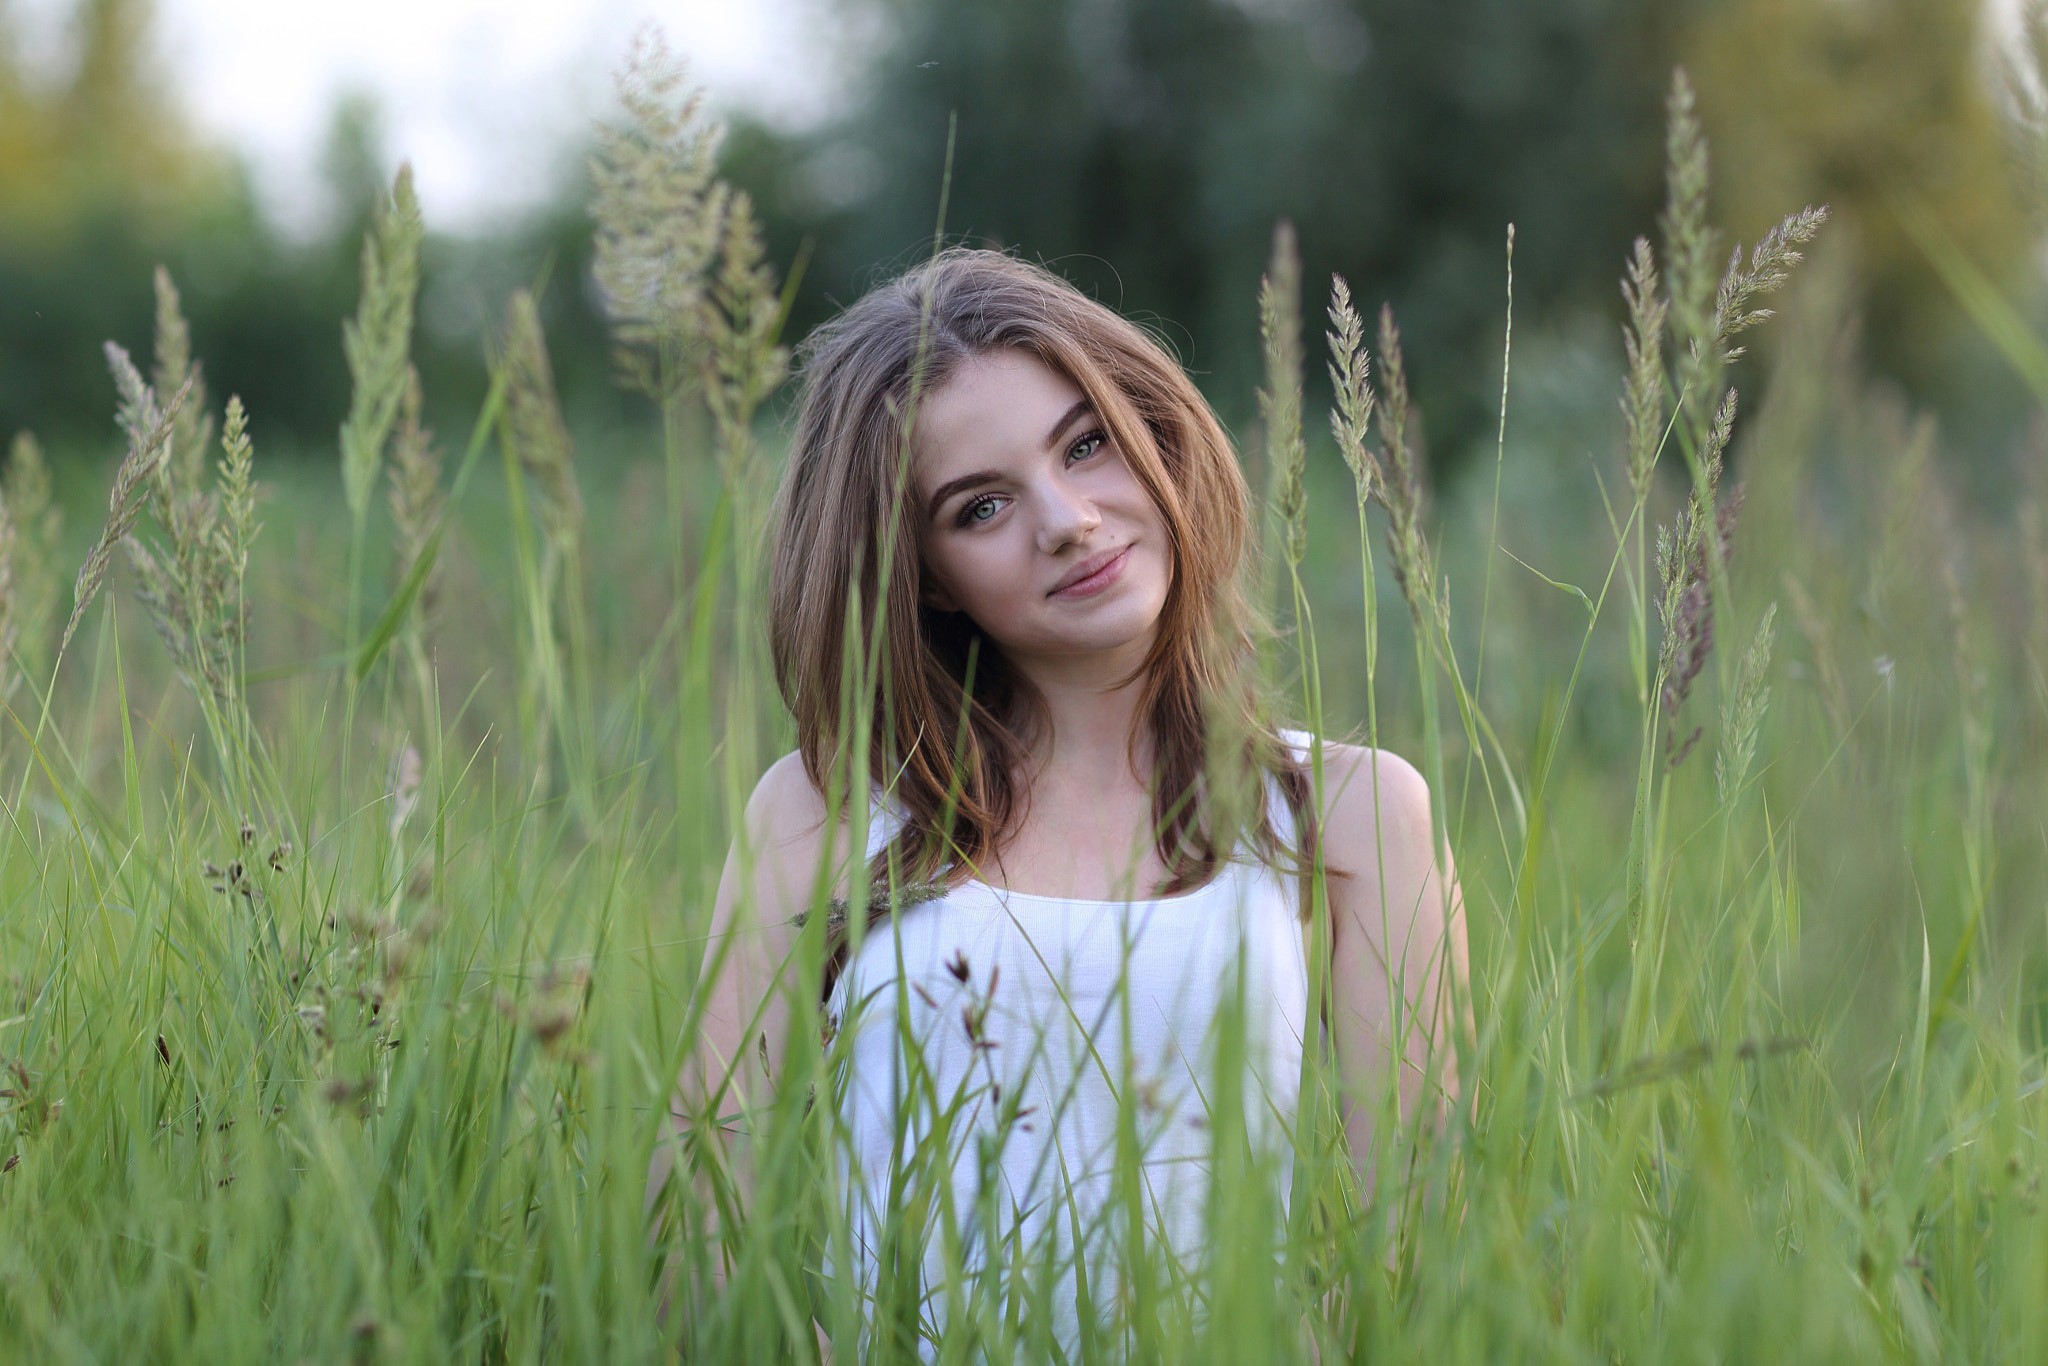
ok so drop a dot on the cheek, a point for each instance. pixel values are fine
(968, 571)
(1138, 498)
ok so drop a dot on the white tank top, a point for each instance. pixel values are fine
(1013, 1003)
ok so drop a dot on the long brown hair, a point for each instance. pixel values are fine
(845, 558)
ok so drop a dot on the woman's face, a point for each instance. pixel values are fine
(1020, 491)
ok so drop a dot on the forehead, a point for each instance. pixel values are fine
(995, 406)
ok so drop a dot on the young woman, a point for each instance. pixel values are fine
(1030, 502)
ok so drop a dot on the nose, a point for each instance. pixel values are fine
(1069, 516)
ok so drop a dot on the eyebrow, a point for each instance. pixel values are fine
(980, 477)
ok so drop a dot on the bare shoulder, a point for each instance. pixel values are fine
(787, 817)
(1397, 931)
(1362, 784)
(786, 803)
(1374, 803)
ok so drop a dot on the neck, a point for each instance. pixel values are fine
(1092, 716)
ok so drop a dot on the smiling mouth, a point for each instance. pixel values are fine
(1094, 582)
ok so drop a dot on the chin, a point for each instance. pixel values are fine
(1134, 625)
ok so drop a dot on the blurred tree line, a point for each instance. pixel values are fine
(1145, 147)
(102, 177)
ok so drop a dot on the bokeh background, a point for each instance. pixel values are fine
(1766, 1052)
(1145, 147)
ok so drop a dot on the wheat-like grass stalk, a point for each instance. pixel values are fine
(192, 432)
(1642, 402)
(1770, 266)
(744, 364)
(191, 582)
(1403, 490)
(1351, 386)
(1742, 714)
(540, 437)
(416, 497)
(135, 403)
(191, 587)
(537, 443)
(236, 528)
(1689, 243)
(660, 211)
(378, 341)
(1280, 399)
(1685, 561)
(149, 444)
(38, 522)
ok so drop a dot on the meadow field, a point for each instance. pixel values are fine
(363, 818)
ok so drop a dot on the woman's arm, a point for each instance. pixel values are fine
(1399, 940)
(746, 1022)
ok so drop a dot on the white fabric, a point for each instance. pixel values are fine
(1055, 965)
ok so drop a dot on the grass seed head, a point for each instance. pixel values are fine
(1770, 266)
(1689, 243)
(743, 316)
(540, 437)
(37, 523)
(149, 437)
(1280, 399)
(1351, 383)
(192, 432)
(415, 492)
(1402, 491)
(1742, 715)
(1686, 605)
(236, 530)
(378, 340)
(191, 583)
(136, 407)
(1642, 402)
(660, 211)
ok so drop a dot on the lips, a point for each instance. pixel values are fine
(1089, 567)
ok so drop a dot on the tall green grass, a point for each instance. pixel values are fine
(353, 919)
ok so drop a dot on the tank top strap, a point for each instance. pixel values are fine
(1298, 743)
(885, 817)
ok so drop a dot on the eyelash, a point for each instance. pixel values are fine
(967, 518)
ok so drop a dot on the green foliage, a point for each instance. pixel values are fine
(1865, 107)
(355, 1041)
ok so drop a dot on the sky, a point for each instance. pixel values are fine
(484, 97)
